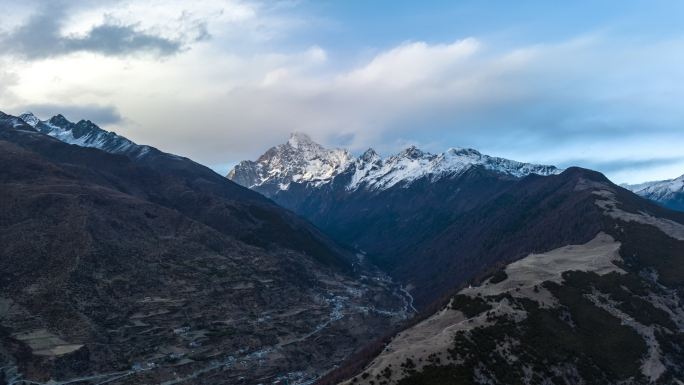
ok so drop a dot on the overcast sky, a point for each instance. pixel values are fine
(595, 84)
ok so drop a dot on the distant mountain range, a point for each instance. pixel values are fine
(668, 193)
(303, 161)
(86, 134)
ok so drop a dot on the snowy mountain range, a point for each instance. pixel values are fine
(301, 160)
(85, 133)
(669, 193)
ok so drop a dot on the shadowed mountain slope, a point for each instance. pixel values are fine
(146, 270)
(589, 289)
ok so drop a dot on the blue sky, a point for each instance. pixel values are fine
(382, 23)
(589, 83)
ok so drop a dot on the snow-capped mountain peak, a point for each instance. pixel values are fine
(412, 152)
(370, 156)
(301, 160)
(669, 193)
(458, 151)
(30, 119)
(14, 121)
(303, 141)
(59, 120)
(85, 134)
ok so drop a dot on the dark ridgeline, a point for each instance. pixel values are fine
(605, 329)
(535, 214)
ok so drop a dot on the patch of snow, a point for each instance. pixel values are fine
(412, 164)
(300, 160)
(30, 119)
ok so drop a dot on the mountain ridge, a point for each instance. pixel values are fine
(668, 193)
(306, 161)
(602, 306)
(86, 134)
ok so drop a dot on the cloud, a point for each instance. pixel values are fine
(41, 37)
(7, 79)
(110, 39)
(592, 96)
(596, 98)
(624, 165)
(412, 63)
(101, 115)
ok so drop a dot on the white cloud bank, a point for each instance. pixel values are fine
(228, 97)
